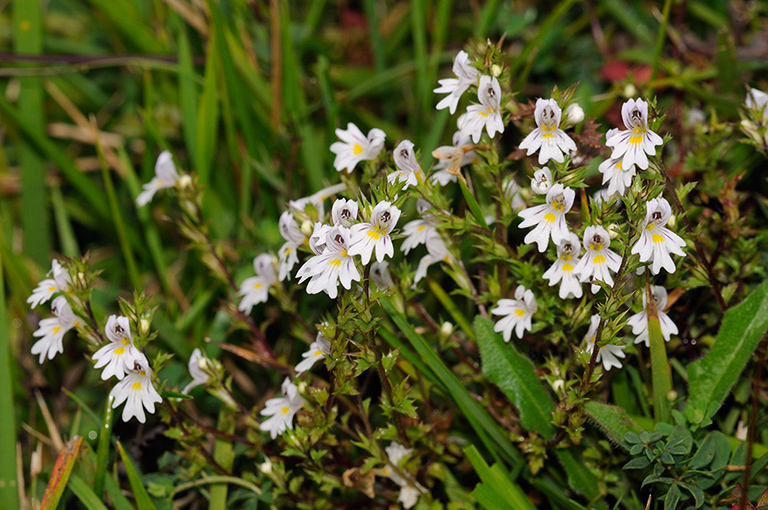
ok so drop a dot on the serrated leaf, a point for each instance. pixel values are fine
(514, 374)
(615, 423)
(712, 377)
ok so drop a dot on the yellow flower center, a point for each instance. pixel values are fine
(257, 285)
(567, 267)
(656, 238)
(549, 217)
(125, 341)
(119, 351)
(357, 149)
(284, 410)
(636, 139)
(599, 259)
(136, 386)
(318, 352)
(51, 289)
(374, 234)
(519, 312)
(334, 262)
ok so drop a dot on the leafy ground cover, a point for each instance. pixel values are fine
(470, 372)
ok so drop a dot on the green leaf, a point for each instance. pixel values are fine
(637, 463)
(9, 492)
(492, 436)
(515, 375)
(474, 207)
(673, 498)
(711, 378)
(496, 489)
(580, 479)
(614, 422)
(208, 116)
(143, 501)
(85, 494)
(661, 377)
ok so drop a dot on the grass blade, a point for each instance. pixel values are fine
(8, 491)
(61, 472)
(143, 502)
(84, 493)
(102, 451)
(496, 490)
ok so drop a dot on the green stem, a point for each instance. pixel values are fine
(102, 450)
(9, 493)
(220, 479)
(222, 453)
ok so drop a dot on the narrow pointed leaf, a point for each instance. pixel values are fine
(60, 476)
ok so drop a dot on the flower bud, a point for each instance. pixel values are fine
(185, 181)
(575, 114)
(266, 467)
(630, 90)
(446, 329)
(307, 227)
(496, 70)
(558, 385)
(143, 327)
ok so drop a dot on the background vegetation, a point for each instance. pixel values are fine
(248, 94)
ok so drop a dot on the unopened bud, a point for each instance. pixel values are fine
(266, 467)
(496, 70)
(558, 385)
(446, 328)
(671, 395)
(307, 227)
(575, 114)
(630, 90)
(143, 327)
(185, 181)
(613, 230)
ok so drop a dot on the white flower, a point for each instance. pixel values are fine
(166, 176)
(487, 114)
(354, 147)
(618, 179)
(367, 236)
(282, 410)
(451, 158)
(436, 251)
(609, 354)
(518, 311)
(549, 218)
(409, 488)
(317, 351)
(51, 331)
(512, 193)
(602, 196)
(317, 238)
(563, 270)
(137, 391)
(50, 286)
(380, 275)
(466, 75)
(656, 241)
(639, 321)
(287, 254)
(119, 355)
(344, 212)
(758, 100)
(637, 140)
(542, 181)
(408, 169)
(599, 260)
(290, 230)
(416, 232)
(196, 365)
(548, 136)
(333, 266)
(255, 290)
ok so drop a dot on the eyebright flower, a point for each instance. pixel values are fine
(466, 75)
(282, 410)
(196, 365)
(436, 251)
(137, 391)
(575, 114)
(618, 178)
(380, 275)
(563, 270)
(656, 241)
(344, 212)
(416, 232)
(542, 181)
(333, 266)
(408, 169)
(451, 158)
(487, 114)
(255, 290)
(287, 254)
(609, 354)
(639, 321)
(51, 331)
(119, 354)
(50, 286)
(549, 218)
(519, 313)
(317, 351)
(354, 147)
(548, 138)
(367, 236)
(409, 488)
(632, 144)
(599, 260)
(166, 176)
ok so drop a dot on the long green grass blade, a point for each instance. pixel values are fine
(143, 501)
(28, 39)
(661, 376)
(9, 493)
(486, 427)
(222, 453)
(208, 115)
(452, 308)
(125, 15)
(496, 490)
(102, 451)
(85, 494)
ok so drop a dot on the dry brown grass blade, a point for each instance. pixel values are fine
(53, 429)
